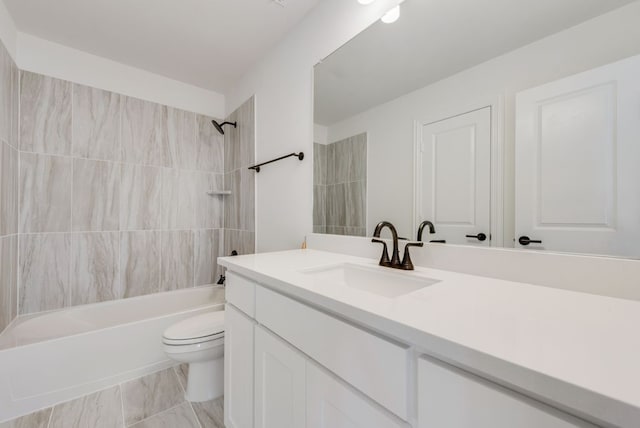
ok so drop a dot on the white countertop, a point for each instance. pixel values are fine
(577, 351)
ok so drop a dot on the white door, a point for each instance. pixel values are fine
(332, 404)
(578, 162)
(454, 178)
(238, 369)
(280, 383)
(452, 398)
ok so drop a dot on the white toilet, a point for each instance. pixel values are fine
(199, 342)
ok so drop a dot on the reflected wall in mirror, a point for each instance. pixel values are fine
(512, 120)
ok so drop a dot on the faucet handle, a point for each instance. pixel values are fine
(407, 264)
(384, 259)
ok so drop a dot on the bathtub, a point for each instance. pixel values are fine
(56, 356)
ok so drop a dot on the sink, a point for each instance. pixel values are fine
(372, 279)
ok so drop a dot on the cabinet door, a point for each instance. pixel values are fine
(238, 369)
(280, 383)
(332, 404)
(448, 397)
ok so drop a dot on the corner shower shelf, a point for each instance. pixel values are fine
(219, 192)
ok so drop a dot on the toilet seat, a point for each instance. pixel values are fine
(199, 329)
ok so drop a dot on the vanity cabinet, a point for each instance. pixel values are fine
(279, 383)
(290, 365)
(238, 369)
(449, 397)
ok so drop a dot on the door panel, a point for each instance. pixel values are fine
(454, 178)
(576, 162)
(280, 383)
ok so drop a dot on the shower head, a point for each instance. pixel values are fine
(220, 125)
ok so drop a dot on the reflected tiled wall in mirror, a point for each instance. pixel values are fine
(340, 186)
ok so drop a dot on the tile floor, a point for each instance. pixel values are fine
(156, 400)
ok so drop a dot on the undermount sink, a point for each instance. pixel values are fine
(376, 280)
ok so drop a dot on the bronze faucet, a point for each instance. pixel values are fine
(395, 262)
(425, 223)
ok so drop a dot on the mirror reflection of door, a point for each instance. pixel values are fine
(578, 162)
(454, 178)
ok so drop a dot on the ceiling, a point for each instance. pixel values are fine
(207, 43)
(432, 40)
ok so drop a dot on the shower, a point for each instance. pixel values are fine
(220, 125)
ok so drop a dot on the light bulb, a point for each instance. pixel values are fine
(391, 16)
(366, 1)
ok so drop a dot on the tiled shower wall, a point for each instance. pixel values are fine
(113, 196)
(9, 103)
(340, 186)
(239, 146)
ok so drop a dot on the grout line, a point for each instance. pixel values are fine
(124, 421)
(175, 372)
(153, 416)
(50, 416)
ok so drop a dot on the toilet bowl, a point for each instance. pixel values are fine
(199, 342)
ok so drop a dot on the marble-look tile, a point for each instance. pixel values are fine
(319, 205)
(180, 149)
(210, 209)
(239, 207)
(355, 231)
(336, 230)
(181, 416)
(232, 149)
(177, 255)
(8, 279)
(331, 164)
(319, 164)
(181, 198)
(96, 123)
(8, 189)
(44, 272)
(45, 114)
(95, 267)
(246, 128)
(357, 158)
(140, 197)
(356, 204)
(210, 413)
(39, 419)
(208, 247)
(152, 394)
(144, 133)
(5, 94)
(341, 161)
(210, 146)
(319, 229)
(102, 409)
(45, 193)
(241, 241)
(139, 263)
(182, 371)
(336, 205)
(15, 106)
(96, 195)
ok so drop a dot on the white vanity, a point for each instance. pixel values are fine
(319, 339)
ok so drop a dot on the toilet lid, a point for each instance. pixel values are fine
(198, 327)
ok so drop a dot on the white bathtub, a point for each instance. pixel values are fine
(56, 356)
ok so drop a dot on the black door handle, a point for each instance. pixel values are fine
(439, 241)
(524, 240)
(480, 236)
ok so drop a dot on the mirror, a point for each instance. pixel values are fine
(505, 123)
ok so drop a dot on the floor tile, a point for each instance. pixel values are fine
(100, 410)
(150, 395)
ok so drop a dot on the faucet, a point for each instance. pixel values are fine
(395, 262)
(425, 223)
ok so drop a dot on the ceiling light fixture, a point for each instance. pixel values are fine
(392, 15)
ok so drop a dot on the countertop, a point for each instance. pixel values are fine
(576, 351)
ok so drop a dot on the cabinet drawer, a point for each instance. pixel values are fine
(373, 365)
(449, 397)
(240, 292)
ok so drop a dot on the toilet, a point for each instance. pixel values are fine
(199, 342)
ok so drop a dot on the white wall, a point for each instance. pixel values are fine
(283, 85)
(390, 127)
(52, 59)
(8, 33)
(320, 134)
